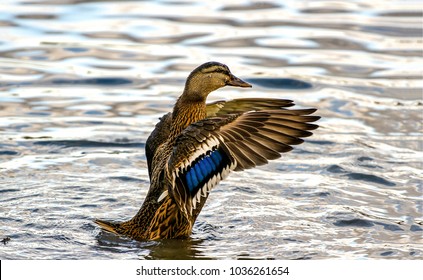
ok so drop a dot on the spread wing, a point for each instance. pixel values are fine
(159, 135)
(208, 150)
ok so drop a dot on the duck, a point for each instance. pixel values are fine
(197, 145)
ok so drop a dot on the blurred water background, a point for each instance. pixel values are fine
(82, 84)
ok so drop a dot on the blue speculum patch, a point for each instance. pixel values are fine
(203, 170)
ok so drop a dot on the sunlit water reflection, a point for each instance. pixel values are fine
(82, 84)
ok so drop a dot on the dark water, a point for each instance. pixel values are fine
(82, 84)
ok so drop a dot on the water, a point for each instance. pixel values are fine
(82, 84)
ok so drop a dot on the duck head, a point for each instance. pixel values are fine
(208, 77)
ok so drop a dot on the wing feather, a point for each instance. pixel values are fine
(236, 135)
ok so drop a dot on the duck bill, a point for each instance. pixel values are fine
(237, 82)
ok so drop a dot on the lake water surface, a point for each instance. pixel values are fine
(82, 84)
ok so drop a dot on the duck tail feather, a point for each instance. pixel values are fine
(107, 226)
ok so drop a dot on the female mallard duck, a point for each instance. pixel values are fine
(196, 146)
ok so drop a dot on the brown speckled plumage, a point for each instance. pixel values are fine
(196, 145)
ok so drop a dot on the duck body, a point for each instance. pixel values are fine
(196, 146)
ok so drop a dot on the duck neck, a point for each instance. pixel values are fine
(186, 112)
